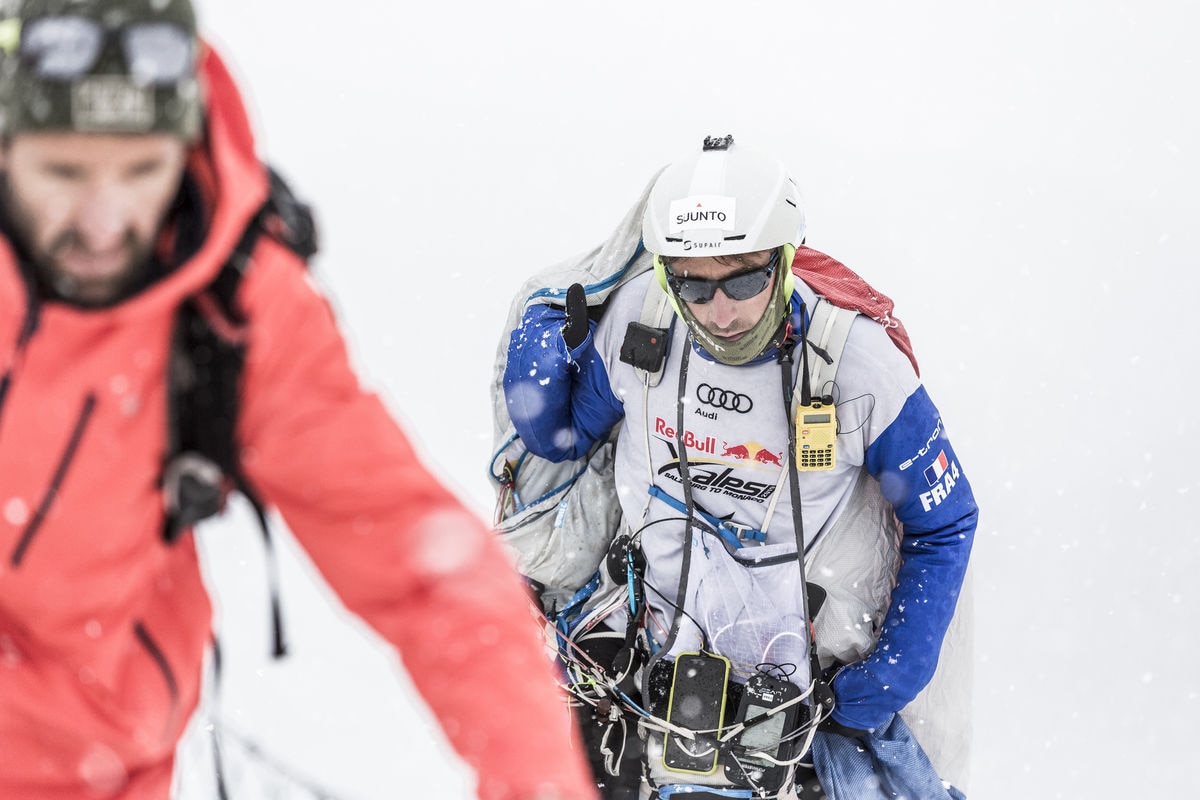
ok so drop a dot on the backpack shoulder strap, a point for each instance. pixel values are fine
(208, 350)
(828, 329)
(287, 219)
(208, 354)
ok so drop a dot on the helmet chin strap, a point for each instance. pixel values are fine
(785, 266)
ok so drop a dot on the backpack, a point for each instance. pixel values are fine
(208, 350)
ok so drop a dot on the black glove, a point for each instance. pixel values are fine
(575, 329)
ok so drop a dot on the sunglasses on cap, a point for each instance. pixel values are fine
(69, 47)
(739, 286)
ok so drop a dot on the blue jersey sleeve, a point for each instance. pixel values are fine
(559, 400)
(921, 477)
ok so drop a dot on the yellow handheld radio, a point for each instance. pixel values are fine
(816, 436)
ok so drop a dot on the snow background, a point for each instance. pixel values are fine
(1019, 176)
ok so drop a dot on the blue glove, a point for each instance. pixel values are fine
(537, 382)
(555, 383)
(537, 354)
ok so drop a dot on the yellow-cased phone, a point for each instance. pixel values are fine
(816, 437)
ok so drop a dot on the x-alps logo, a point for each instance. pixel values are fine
(722, 400)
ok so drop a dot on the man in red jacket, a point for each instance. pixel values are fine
(129, 177)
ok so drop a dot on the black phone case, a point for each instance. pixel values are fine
(696, 702)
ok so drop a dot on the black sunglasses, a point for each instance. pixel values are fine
(739, 286)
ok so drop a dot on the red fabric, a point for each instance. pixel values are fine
(97, 605)
(841, 286)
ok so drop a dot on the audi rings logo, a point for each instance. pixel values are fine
(724, 399)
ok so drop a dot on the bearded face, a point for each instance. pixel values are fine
(88, 208)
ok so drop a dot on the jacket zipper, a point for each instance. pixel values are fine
(60, 473)
(160, 660)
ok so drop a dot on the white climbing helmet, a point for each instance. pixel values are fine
(722, 200)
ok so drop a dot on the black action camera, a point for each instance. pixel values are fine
(644, 347)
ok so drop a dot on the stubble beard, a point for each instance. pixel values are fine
(86, 291)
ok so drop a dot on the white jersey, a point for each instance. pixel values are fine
(745, 603)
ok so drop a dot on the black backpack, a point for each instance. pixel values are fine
(208, 351)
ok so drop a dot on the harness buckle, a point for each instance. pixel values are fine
(744, 532)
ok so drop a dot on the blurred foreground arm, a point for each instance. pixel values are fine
(400, 550)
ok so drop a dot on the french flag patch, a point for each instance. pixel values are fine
(933, 473)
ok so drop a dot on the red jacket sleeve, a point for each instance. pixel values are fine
(399, 549)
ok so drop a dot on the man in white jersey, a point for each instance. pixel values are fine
(753, 421)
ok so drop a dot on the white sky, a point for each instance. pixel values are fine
(1021, 177)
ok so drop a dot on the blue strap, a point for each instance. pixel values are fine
(562, 620)
(592, 288)
(631, 583)
(732, 533)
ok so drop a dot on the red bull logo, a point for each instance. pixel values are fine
(751, 451)
(738, 451)
(765, 456)
(692, 441)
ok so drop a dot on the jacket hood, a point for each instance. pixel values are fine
(236, 180)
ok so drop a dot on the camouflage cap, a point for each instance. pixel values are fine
(99, 66)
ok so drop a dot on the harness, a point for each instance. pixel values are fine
(208, 352)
